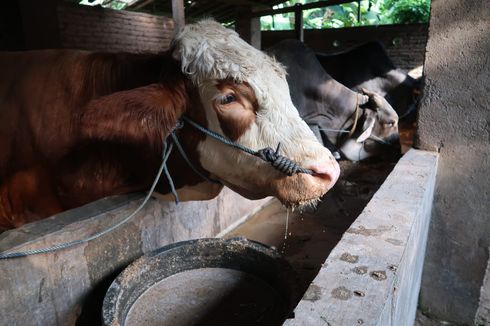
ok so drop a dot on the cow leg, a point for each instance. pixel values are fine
(27, 196)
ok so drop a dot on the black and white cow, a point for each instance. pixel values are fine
(359, 125)
(368, 66)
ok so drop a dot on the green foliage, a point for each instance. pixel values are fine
(373, 12)
(409, 11)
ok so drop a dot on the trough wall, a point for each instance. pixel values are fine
(67, 287)
(482, 317)
(372, 277)
(405, 44)
(454, 119)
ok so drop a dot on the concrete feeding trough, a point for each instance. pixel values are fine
(359, 255)
(358, 260)
(203, 282)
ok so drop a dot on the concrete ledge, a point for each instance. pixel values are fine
(373, 275)
(68, 286)
(483, 313)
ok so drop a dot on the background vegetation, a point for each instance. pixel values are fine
(373, 12)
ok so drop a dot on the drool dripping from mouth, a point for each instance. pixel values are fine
(283, 250)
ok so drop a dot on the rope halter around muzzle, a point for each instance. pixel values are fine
(279, 162)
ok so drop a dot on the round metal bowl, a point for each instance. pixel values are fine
(203, 282)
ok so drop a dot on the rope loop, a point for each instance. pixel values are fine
(279, 162)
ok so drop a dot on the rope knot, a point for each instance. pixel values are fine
(279, 162)
(179, 125)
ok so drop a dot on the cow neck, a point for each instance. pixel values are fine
(352, 121)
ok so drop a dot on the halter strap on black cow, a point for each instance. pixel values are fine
(356, 116)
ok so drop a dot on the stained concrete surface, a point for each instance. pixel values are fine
(483, 313)
(373, 274)
(454, 119)
(67, 287)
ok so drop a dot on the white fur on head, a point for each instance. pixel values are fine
(209, 53)
(207, 50)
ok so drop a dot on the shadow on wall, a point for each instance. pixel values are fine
(454, 119)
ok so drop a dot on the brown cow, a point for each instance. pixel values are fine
(76, 126)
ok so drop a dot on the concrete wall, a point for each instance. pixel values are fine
(68, 286)
(454, 119)
(372, 277)
(483, 313)
(405, 44)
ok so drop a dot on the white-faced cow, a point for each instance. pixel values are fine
(76, 126)
(368, 66)
(360, 125)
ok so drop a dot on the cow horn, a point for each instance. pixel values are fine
(367, 92)
(363, 99)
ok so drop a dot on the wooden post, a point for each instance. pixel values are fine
(178, 15)
(298, 22)
(248, 27)
(359, 12)
(40, 24)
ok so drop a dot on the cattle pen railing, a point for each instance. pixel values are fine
(378, 285)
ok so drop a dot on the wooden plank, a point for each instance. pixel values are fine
(298, 22)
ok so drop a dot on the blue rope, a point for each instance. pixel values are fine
(267, 154)
(188, 161)
(279, 162)
(166, 153)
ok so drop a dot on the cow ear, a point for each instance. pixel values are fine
(141, 115)
(369, 125)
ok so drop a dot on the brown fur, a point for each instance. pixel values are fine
(237, 117)
(77, 126)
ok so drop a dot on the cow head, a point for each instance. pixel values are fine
(379, 129)
(245, 97)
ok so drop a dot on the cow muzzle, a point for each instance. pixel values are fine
(305, 189)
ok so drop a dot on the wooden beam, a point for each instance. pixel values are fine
(248, 3)
(178, 15)
(140, 4)
(311, 5)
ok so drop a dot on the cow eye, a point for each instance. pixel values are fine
(227, 99)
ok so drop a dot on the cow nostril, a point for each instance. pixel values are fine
(328, 172)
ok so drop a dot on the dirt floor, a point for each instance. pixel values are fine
(423, 320)
(313, 233)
